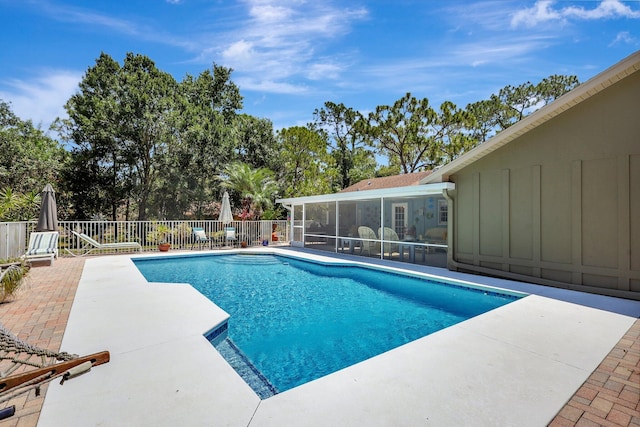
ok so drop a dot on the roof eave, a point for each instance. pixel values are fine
(408, 191)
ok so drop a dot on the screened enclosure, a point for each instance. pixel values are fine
(407, 224)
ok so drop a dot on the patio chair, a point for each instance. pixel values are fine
(91, 245)
(389, 235)
(230, 235)
(199, 237)
(437, 236)
(367, 245)
(42, 246)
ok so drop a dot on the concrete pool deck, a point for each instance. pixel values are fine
(517, 365)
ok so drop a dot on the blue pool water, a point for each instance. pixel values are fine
(294, 321)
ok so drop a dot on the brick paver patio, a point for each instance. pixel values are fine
(39, 314)
(611, 395)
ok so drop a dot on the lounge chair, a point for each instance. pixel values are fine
(230, 235)
(91, 245)
(42, 246)
(199, 237)
(368, 245)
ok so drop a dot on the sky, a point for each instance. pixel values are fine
(291, 56)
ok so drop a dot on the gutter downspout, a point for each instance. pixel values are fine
(452, 264)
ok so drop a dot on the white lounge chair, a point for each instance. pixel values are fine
(230, 236)
(91, 244)
(42, 246)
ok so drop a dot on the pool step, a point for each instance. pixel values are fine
(251, 259)
(243, 366)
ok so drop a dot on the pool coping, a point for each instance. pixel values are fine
(513, 365)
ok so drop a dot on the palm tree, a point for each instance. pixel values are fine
(255, 187)
(18, 206)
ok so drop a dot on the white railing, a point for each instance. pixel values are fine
(14, 236)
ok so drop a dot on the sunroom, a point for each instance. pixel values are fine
(407, 224)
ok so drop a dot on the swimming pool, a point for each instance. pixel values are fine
(293, 321)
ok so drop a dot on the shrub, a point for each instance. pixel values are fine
(13, 275)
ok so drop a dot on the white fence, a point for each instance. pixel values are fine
(14, 236)
(13, 239)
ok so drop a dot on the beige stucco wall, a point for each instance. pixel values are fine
(560, 204)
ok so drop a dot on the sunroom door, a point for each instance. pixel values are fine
(399, 218)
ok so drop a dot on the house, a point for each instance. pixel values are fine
(554, 199)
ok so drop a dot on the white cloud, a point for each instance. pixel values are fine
(491, 15)
(42, 98)
(86, 16)
(238, 52)
(320, 71)
(496, 50)
(543, 11)
(268, 13)
(605, 10)
(540, 12)
(96, 20)
(270, 86)
(277, 42)
(624, 37)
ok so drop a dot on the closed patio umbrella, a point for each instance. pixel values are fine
(48, 220)
(225, 211)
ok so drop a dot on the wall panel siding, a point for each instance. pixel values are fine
(518, 269)
(491, 213)
(557, 275)
(634, 213)
(521, 204)
(464, 215)
(600, 281)
(600, 213)
(555, 212)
